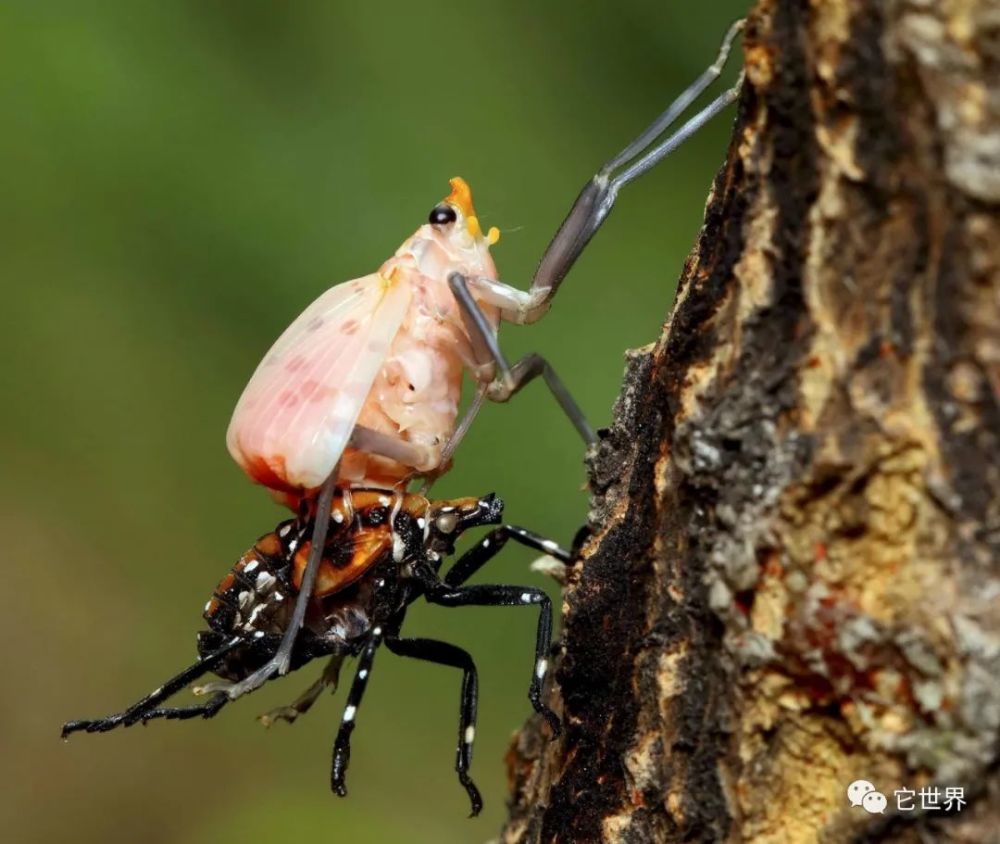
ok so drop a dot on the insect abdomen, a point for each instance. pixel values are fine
(253, 598)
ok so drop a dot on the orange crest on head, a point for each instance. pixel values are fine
(461, 197)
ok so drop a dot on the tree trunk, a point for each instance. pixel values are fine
(791, 580)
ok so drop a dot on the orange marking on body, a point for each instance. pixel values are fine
(461, 196)
(365, 499)
(464, 504)
(415, 505)
(262, 472)
(268, 546)
(370, 546)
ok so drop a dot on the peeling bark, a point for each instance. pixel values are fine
(791, 579)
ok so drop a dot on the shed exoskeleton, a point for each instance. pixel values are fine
(383, 552)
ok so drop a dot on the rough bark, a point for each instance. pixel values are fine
(791, 579)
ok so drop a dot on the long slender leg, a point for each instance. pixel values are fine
(463, 426)
(443, 653)
(342, 745)
(278, 664)
(303, 703)
(457, 436)
(491, 544)
(512, 379)
(527, 369)
(597, 198)
(679, 105)
(139, 710)
(511, 596)
(658, 153)
(182, 713)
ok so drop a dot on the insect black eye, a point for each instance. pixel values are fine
(441, 214)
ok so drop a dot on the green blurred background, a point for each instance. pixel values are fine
(179, 180)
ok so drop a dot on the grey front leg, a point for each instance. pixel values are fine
(511, 379)
(595, 201)
(597, 198)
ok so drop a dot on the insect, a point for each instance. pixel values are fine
(364, 386)
(384, 552)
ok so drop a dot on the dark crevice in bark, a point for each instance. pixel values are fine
(595, 675)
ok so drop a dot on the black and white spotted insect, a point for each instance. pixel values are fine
(383, 551)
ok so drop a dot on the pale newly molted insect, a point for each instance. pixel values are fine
(370, 374)
(384, 552)
(363, 387)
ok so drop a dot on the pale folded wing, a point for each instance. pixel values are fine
(296, 414)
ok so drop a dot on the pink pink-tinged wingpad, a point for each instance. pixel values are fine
(295, 416)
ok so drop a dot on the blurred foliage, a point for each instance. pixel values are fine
(180, 180)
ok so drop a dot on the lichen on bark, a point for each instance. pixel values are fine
(791, 579)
